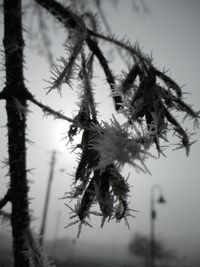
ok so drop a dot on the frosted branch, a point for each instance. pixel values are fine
(50, 111)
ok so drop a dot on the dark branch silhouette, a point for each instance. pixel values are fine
(145, 96)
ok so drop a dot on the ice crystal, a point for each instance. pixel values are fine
(64, 72)
(151, 95)
(76, 213)
(36, 254)
(22, 110)
(114, 143)
(146, 96)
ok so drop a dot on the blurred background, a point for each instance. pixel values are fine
(169, 30)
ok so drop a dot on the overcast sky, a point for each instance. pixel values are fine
(171, 33)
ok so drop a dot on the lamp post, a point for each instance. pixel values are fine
(54, 246)
(160, 200)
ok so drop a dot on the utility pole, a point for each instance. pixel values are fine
(46, 204)
(54, 246)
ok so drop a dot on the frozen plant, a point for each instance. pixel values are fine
(145, 96)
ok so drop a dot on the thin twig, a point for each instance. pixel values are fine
(108, 29)
(5, 214)
(93, 46)
(50, 111)
(5, 199)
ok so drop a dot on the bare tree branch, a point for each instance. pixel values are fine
(108, 29)
(5, 199)
(71, 20)
(15, 89)
(5, 214)
(92, 44)
(50, 111)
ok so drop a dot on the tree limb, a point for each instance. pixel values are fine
(71, 20)
(5, 199)
(108, 29)
(50, 111)
(5, 214)
(63, 14)
(16, 123)
(93, 46)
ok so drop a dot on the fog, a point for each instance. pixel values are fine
(170, 31)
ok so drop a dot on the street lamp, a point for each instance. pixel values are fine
(160, 200)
